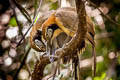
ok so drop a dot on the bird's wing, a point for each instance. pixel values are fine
(66, 18)
(91, 31)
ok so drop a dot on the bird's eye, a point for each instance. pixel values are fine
(50, 30)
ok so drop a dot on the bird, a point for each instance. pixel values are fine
(62, 23)
(37, 39)
(57, 28)
(65, 20)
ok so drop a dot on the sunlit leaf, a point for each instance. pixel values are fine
(37, 17)
(103, 76)
(13, 22)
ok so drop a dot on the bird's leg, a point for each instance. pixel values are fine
(52, 51)
(48, 48)
(54, 47)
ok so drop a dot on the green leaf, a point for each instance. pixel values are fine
(37, 17)
(97, 78)
(13, 22)
(103, 76)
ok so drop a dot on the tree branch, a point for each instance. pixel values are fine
(70, 47)
(14, 13)
(22, 63)
(31, 24)
(94, 5)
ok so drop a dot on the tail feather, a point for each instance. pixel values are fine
(90, 39)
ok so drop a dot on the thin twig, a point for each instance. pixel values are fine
(35, 7)
(38, 10)
(25, 34)
(94, 62)
(28, 68)
(94, 5)
(51, 56)
(22, 63)
(30, 25)
(23, 11)
(13, 8)
(55, 70)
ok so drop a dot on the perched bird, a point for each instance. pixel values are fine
(56, 26)
(64, 20)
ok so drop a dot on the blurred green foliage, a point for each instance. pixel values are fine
(12, 22)
(102, 77)
(54, 6)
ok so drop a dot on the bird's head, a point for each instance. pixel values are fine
(38, 41)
